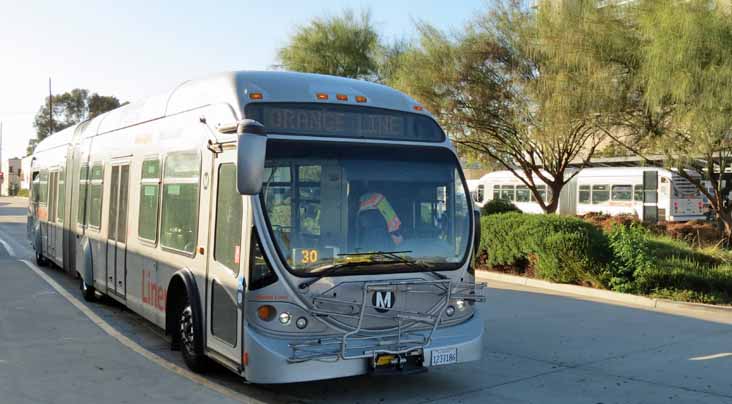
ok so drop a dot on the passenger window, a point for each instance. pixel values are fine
(481, 193)
(179, 221)
(149, 196)
(522, 193)
(622, 192)
(496, 192)
(638, 193)
(61, 196)
(507, 192)
(227, 246)
(83, 185)
(600, 193)
(94, 199)
(43, 187)
(584, 194)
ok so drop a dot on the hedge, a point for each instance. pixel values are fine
(557, 248)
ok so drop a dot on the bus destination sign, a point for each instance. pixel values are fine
(344, 121)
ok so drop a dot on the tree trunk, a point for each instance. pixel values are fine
(725, 217)
(553, 204)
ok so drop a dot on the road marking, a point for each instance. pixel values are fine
(715, 356)
(124, 340)
(8, 248)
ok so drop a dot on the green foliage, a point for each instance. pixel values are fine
(558, 248)
(345, 45)
(69, 109)
(511, 87)
(23, 193)
(498, 206)
(631, 257)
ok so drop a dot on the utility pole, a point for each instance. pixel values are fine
(50, 109)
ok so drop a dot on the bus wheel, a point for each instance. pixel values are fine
(190, 346)
(87, 291)
(41, 261)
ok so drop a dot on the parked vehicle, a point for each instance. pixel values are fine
(609, 190)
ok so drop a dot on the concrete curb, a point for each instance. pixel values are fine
(624, 298)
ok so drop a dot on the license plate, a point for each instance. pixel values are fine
(444, 356)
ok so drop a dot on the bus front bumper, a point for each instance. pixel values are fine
(268, 356)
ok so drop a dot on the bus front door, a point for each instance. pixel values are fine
(117, 231)
(225, 269)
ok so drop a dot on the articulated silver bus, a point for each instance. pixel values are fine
(288, 226)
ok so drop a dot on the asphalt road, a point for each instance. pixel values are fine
(540, 348)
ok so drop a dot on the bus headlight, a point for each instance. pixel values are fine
(285, 318)
(301, 323)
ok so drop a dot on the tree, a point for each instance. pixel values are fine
(511, 87)
(69, 109)
(346, 45)
(679, 101)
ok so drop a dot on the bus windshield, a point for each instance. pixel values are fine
(365, 208)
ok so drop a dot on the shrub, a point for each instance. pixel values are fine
(558, 248)
(498, 206)
(631, 257)
(23, 192)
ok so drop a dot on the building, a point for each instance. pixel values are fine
(11, 176)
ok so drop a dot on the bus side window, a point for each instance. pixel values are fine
(61, 193)
(95, 187)
(600, 193)
(43, 187)
(584, 194)
(179, 221)
(638, 193)
(83, 185)
(481, 193)
(147, 228)
(36, 188)
(260, 272)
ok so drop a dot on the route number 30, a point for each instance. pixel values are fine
(308, 256)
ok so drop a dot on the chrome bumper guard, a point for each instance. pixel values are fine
(412, 331)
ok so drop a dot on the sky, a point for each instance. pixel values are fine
(133, 49)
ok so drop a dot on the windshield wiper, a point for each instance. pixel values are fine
(392, 257)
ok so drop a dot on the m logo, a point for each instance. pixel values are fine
(383, 300)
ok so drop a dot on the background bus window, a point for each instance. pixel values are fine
(522, 193)
(507, 192)
(622, 193)
(480, 193)
(600, 193)
(496, 192)
(227, 241)
(180, 201)
(584, 194)
(638, 193)
(149, 196)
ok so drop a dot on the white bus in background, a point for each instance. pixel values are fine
(288, 226)
(608, 190)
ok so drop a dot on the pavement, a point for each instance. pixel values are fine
(539, 348)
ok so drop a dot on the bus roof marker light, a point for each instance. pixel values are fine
(360, 98)
(418, 108)
(341, 97)
(321, 96)
(255, 96)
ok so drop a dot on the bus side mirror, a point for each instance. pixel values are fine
(251, 147)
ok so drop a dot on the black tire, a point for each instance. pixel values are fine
(41, 261)
(87, 291)
(189, 334)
